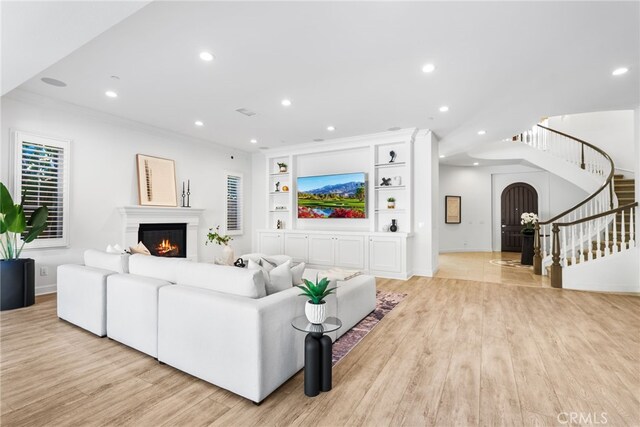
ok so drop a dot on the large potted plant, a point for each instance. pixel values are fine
(17, 287)
(528, 220)
(315, 309)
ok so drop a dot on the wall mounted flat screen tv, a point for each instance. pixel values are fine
(332, 196)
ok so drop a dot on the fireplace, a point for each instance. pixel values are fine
(166, 240)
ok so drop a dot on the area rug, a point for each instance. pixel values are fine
(509, 263)
(386, 301)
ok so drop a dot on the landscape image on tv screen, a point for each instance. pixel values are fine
(332, 196)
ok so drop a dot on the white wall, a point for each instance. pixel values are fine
(612, 131)
(481, 189)
(424, 244)
(103, 174)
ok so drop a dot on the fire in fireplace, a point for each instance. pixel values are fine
(166, 240)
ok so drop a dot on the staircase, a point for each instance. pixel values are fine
(599, 228)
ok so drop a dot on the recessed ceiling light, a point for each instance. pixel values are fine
(482, 132)
(442, 156)
(198, 123)
(331, 128)
(475, 163)
(254, 141)
(206, 56)
(428, 68)
(53, 82)
(285, 102)
(620, 71)
(444, 109)
(111, 94)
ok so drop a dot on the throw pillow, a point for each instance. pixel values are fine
(252, 265)
(267, 265)
(296, 273)
(279, 278)
(139, 249)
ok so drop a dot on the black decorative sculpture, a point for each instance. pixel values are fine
(393, 156)
(278, 186)
(385, 182)
(239, 263)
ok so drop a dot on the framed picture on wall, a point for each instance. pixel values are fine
(452, 209)
(156, 181)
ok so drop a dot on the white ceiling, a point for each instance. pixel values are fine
(500, 67)
(36, 34)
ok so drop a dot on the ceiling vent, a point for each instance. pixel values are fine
(246, 112)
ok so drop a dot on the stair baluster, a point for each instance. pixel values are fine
(623, 245)
(598, 252)
(573, 245)
(632, 243)
(607, 248)
(615, 236)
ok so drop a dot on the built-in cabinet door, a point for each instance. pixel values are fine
(385, 254)
(297, 247)
(272, 243)
(321, 249)
(349, 252)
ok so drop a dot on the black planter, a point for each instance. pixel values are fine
(17, 283)
(526, 258)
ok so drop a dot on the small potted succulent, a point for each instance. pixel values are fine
(315, 309)
(222, 240)
(283, 167)
(391, 203)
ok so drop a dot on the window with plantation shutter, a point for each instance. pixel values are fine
(234, 204)
(42, 175)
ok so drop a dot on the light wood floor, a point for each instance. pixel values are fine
(453, 353)
(477, 266)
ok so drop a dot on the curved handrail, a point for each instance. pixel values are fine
(596, 216)
(607, 181)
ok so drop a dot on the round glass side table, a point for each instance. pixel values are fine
(317, 353)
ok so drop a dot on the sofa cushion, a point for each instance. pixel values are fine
(156, 267)
(105, 261)
(280, 278)
(257, 257)
(223, 278)
(297, 272)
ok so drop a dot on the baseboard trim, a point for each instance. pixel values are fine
(46, 289)
(446, 251)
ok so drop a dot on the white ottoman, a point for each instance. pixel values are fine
(132, 311)
(82, 293)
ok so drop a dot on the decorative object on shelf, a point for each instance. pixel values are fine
(396, 181)
(279, 224)
(283, 167)
(277, 187)
(393, 156)
(394, 226)
(315, 309)
(452, 212)
(280, 208)
(285, 188)
(186, 194)
(223, 240)
(156, 181)
(386, 182)
(17, 276)
(239, 263)
(529, 221)
(391, 203)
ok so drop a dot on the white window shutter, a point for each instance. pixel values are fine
(234, 204)
(42, 174)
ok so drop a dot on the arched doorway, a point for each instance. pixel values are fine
(516, 199)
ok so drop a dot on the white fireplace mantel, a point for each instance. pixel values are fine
(133, 216)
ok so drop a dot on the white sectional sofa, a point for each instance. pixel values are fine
(213, 322)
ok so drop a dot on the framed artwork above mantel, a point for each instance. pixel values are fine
(156, 181)
(452, 209)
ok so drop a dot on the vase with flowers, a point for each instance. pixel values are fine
(214, 236)
(528, 220)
